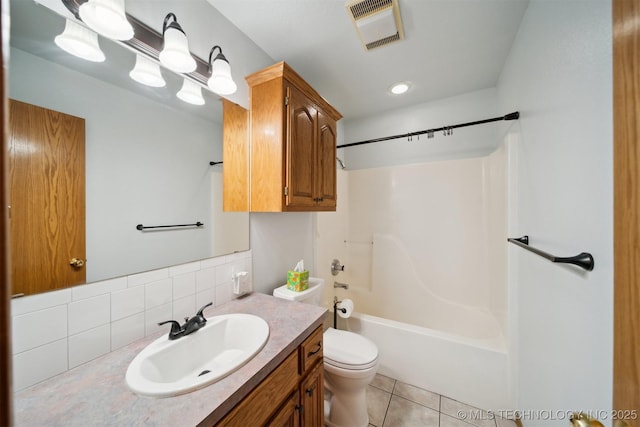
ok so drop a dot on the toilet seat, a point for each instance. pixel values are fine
(348, 350)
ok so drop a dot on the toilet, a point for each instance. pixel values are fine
(350, 364)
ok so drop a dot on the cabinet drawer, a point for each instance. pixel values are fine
(311, 350)
(258, 407)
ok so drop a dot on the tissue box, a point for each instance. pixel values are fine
(298, 280)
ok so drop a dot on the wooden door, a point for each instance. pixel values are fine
(326, 167)
(6, 406)
(301, 143)
(47, 198)
(626, 157)
(312, 397)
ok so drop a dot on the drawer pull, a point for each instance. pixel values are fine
(311, 353)
(309, 392)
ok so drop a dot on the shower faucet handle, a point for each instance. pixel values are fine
(336, 267)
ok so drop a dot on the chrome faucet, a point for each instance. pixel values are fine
(190, 325)
(340, 285)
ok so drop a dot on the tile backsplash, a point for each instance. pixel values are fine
(57, 331)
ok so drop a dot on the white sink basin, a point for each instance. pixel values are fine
(168, 368)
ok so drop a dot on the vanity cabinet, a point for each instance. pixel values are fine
(292, 395)
(293, 143)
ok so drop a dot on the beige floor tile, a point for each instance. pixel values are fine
(418, 395)
(377, 403)
(383, 383)
(468, 413)
(503, 422)
(405, 413)
(447, 421)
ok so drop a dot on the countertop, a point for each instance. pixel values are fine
(96, 393)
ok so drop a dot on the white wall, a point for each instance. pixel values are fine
(558, 75)
(463, 143)
(145, 163)
(278, 242)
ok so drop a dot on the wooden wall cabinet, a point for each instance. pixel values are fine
(293, 143)
(291, 396)
(235, 155)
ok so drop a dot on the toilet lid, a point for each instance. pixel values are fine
(349, 350)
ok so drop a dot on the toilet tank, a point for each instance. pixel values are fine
(311, 295)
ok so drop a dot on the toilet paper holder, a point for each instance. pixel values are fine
(335, 312)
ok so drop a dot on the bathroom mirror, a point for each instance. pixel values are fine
(147, 152)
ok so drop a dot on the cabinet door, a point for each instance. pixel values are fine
(326, 165)
(301, 158)
(312, 397)
(289, 413)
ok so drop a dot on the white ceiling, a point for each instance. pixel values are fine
(450, 47)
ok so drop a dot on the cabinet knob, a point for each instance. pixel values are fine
(299, 408)
(309, 392)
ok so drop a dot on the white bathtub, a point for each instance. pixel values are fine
(469, 370)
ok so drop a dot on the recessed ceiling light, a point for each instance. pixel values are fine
(399, 88)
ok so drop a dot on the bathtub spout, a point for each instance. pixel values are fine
(340, 285)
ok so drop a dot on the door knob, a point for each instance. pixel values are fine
(76, 262)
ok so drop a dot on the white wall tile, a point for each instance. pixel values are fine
(127, 303)
(89, 313)
(39, 327)
(147, 277)
(158, 293)
(184, 285)
(223, 273)
(88, 345)
(156, 315)
(205, 297)
(205, 279)
(127, 330)
(38, 364)
(184, 268)
(212, 262)
(98, 288)
(224, 293)
(184, 307)
(59, 330)
(31, 303)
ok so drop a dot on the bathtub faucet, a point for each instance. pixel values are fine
(340, 285)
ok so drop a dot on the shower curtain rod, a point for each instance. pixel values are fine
(430, 132)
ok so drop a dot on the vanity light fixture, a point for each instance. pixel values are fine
(175, 53)
(107, 18)
(220, 81)
(400, 88)
(80, 41)
(147, 72)
(191, 93)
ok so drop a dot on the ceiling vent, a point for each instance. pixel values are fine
(378, 21)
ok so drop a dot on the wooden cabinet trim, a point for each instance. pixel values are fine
(283, 70)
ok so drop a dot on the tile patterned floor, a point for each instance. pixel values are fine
(392, 403)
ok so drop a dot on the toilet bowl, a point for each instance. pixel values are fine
(350, 364)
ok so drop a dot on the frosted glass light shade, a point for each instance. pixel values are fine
(175, 55)
(221, 81)
(106, 17)
(80, 41)
(191, 93)
(147, 72)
